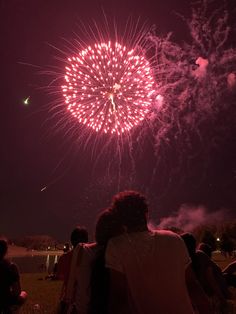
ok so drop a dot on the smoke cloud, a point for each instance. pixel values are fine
(189, 217)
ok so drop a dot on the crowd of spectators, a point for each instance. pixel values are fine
(130, 269)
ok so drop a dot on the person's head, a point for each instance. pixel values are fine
(107, 227)
(3, 248)
(205, 248)
(66, 247)
(79, 235)
(190, 243)
(130, 208)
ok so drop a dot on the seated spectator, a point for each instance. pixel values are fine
(148, 269)
(228, 272)
(53, 274)
(11, 296)
(66, 264)
(208, 274)
(205, 248)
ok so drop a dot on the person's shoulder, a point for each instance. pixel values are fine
(167, 234)
(203, 259)
(5, 262)
(13, 267)
(91, 249)
(202, 255)
(90, 246)
(65, 258)
(66, 255)
(169, 238)
(9, 264)
(14, 271)
(151, 233)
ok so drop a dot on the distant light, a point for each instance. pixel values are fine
(218, 239)
(26, 101)
(43, 189)
(49, 247)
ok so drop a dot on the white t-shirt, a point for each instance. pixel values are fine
(83, 276)
(154, 264)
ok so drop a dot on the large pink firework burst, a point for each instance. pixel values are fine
(109, 87)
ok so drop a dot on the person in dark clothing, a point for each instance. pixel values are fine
(11, 296)
(228, 272)
(106, 228)
(204, 247)
(208, 274)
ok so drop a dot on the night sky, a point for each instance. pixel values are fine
(34, 155)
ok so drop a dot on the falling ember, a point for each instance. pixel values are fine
(109, 87)
(26, 101)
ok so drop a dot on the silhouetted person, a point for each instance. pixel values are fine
(226, 245)
(107, 227)
(228, 272)
(65, 264)
(91, 281)
(208, 274)
(53, 275)
(148, 269)
(11, 296)
(204, 247)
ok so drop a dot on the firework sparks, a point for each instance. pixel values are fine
(109, 87)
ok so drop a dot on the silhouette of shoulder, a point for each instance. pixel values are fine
(158, 235)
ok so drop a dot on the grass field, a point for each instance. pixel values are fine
(43, 295)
